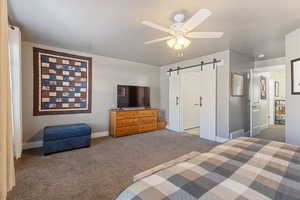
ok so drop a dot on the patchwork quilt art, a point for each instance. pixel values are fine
(62, 83)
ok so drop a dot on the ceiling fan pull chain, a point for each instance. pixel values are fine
(180, 53)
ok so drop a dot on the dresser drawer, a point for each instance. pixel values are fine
(147, 120)
(127, 130)
(127, 114)
(147, 113)
(147, 127)
(127, 122)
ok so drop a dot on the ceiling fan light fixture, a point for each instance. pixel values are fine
(178, 46)
(171, 42)
(181, 40)
(178, 43)
(180, 31)
(186, 43)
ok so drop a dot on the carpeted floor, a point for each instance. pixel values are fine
(273, 132)
(102, 171)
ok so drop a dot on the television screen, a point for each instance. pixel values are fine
(133, 96)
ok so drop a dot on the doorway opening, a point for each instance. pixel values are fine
(268, 102)
(192, 101)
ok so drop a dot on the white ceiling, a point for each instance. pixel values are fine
(113, 27)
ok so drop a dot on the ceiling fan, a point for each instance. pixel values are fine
(180, 31)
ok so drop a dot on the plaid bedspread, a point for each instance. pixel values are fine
(240, 169)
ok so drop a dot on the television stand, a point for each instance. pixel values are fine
(133, 121)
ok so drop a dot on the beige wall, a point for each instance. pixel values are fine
(107, 74)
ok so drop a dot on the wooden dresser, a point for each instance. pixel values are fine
(126, 122)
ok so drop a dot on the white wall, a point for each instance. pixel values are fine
(292, 50)
(222, 88)
(107, 74)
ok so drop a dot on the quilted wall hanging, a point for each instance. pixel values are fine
(62, 83)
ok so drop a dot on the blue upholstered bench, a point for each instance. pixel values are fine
(66, 137)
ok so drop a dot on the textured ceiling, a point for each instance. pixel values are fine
(113, 28)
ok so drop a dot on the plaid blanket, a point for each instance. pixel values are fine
(240, 169)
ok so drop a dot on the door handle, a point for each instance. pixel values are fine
(200, 101)
(177, 101)
(196, 104)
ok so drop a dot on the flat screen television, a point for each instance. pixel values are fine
(133, 96)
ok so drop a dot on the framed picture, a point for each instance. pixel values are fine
(263, 87)
(237, 85)
(276, 89)
(62, 83)
(295, 76)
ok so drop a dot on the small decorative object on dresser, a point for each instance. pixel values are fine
(127, 122)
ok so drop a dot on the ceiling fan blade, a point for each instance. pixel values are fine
(204, 34)
(158, 27)
(159, 40)
(196, 20)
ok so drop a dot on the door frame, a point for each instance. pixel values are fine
(251, 101)
(252, 72)
(271, 89)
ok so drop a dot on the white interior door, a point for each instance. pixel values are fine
(174, 102)
(258, 107)
(190, 99)
(208, 103)
(255, 105)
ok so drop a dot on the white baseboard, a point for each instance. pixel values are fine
(37, 144)
(100, 134)
(236, 133)
(170, 129)
(221, 139)
(32, 145)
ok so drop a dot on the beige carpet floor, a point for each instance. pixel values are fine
(102, 171)
(273, 132)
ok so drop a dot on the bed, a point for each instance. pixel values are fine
(240, 169)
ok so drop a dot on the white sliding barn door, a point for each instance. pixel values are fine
(174, 102)
(208, 103)
(204, 100)
(190, 99)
